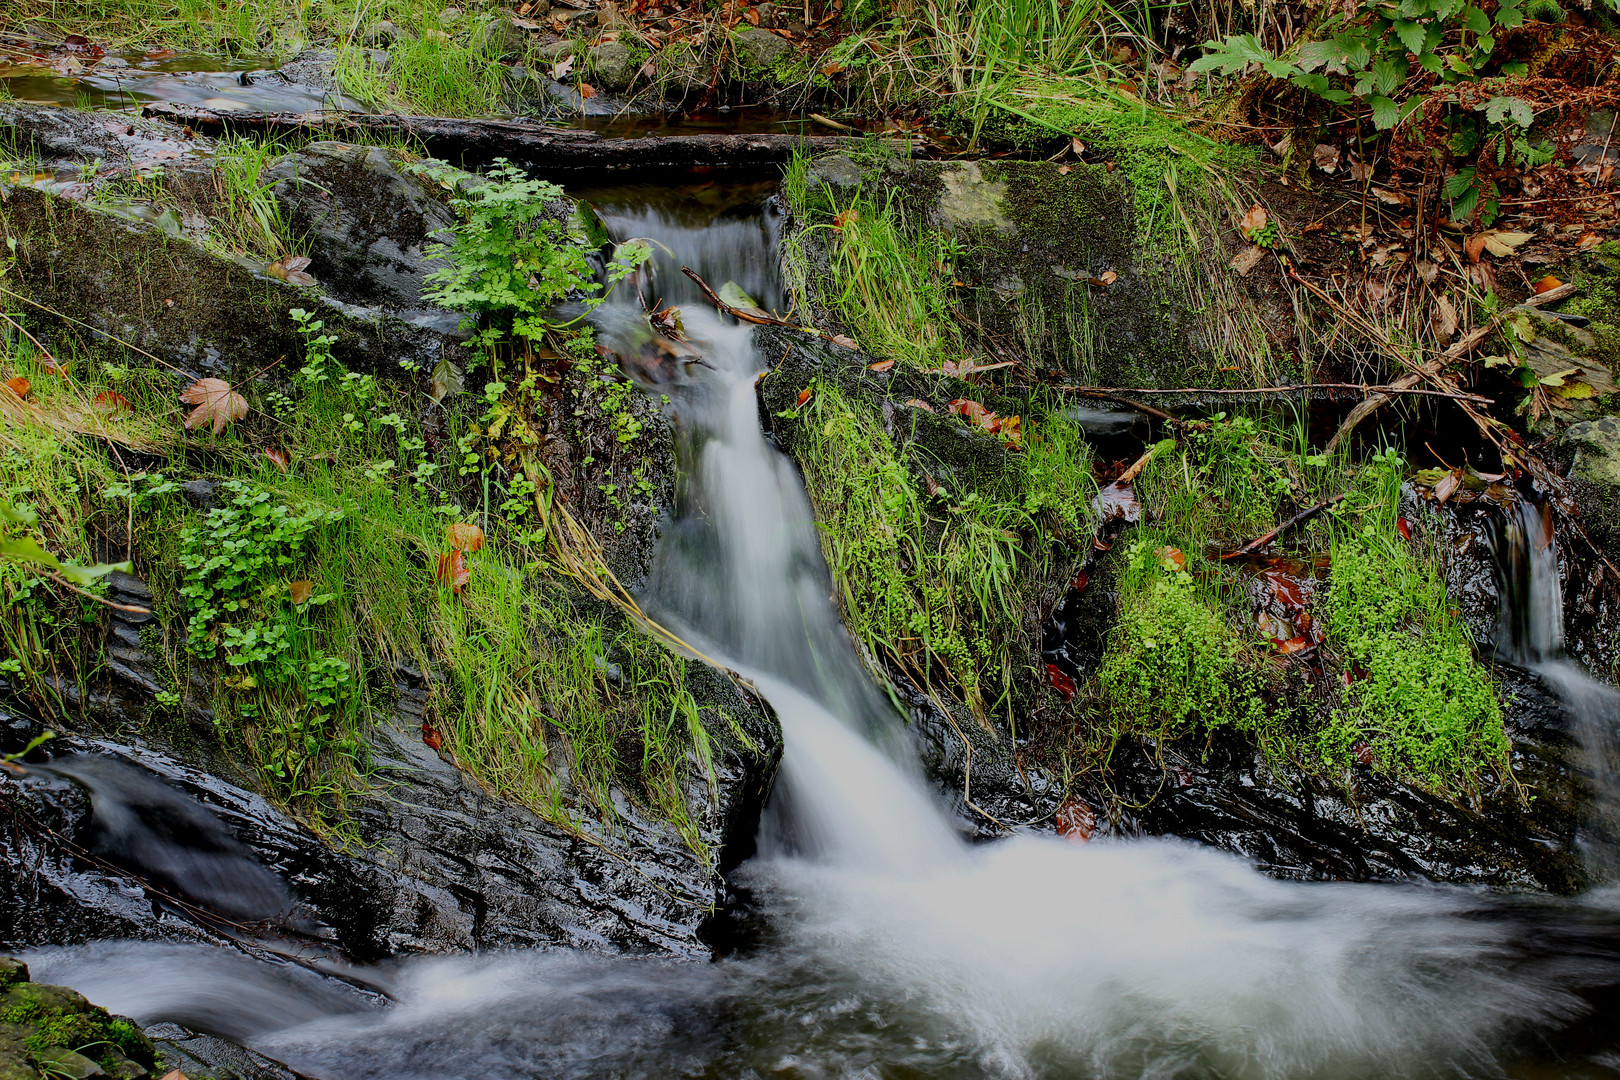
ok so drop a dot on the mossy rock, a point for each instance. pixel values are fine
(187, 306)
(53, 1031)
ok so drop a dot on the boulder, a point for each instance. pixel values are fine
(1597, 451)
(615, 65)
(760, 51)
(51, 1031)
(367, 223)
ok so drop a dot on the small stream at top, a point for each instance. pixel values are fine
(892, 947)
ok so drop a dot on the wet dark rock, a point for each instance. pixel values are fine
(759, 50)
(1597, 451)
(614, 65)
(197, 1055)
(195, 309)
(51, 1031)
(367, 223)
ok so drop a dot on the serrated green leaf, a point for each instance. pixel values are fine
(1411, 34)
(1389, 72)
(1385, 112)
(1278, 69)
(1503, 107)
(1354, 48)
(1432, 63)
(1508, 18)
(1476, 20)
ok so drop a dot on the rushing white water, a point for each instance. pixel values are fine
(895, 948)
(1531, 632)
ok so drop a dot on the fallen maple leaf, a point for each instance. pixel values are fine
(587, 91)
(1172, 558)
(431, 737)
(1403, 528)
(452, 571)
(881, 365)
(278, 458)
(1588, 240)
(464, 537)
(111, 404)
(845, 217)
(1108, 278)
(301, 591)
(844, 342)
(291, 270)
(216, 403)
(804, 396)
(1547, 284)
(560, 70)
(19, 386)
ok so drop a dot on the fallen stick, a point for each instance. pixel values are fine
(1294, 522)
(1111, 392)
(538, 145)
(1467, 344)
(752, 315)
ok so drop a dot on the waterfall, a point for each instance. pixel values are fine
(1530, 631)
(895, 947)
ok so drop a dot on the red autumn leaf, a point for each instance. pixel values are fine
(453, 571)
(19, 386)
(1363, 752)
(161, 54)
(1292, 645)
(464, 537)
(881, 365)
(587, 91)
(845, 217)
(278, 458)
(1172, 558)
(804, 396)
(301, 591)
(976, 414)
(1081, 580)
(1061, 682)
(830, 70)
(111, 404)
(1547, 284)
(216, 403)
(1075, 820)
(1588, 239)
(844, 342)
(1403, 528)
(431, 737)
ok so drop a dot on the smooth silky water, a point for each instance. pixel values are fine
(892, 947)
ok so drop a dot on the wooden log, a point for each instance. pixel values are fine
(536, 145)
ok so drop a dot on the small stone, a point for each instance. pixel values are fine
(60, 1062)
(449, 16)
(553, 51)
(768, 16)
(114, 62)
(761, 50)
(1597, 451)
(837, 173)
(615, 65)
(382, 34)
(199, 493)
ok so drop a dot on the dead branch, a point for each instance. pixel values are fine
(1292, 523)
(1110, 392)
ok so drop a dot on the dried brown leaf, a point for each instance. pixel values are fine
(216, 403)
(464, 537)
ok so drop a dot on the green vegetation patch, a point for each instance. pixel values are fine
(935, 566)
(1202, 642)
(53, 1031)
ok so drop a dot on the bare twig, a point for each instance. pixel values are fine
(1111, 392)
(1294, 522)
(68, 585)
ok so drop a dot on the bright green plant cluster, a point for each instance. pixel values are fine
(1173, 665)
(1417, 700)
(512, 260)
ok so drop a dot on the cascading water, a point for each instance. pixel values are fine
(1531, 633)
(895, 948)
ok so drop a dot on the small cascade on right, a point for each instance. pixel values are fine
(1530, 632)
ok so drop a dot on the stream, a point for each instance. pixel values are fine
(889, 945)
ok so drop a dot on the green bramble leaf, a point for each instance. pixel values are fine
(1385, 112)
(1411, 34)
(1502, 107)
